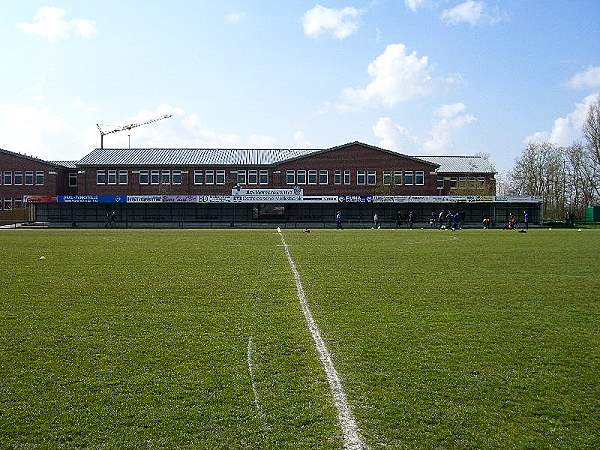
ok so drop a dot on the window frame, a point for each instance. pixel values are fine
(300, 173)
(371, 173)
(439, 182)
(178, 174)
(40, 174)
(9, 174)
(242, 178)
(290, 177)
(71, 177)
(17, 173)
(261, 174)
(165, 175)
(144, 173)
(313, 173)
(337, 177)
(155, 173)
(209, 177)
(99, 173)
(111, 173)
(198, 174)
(220, 177)
(407, 174)
(324, 173)
(347, 177)
(361, 174)
(7, 201)
(397, 175)
(29, 173)
(387, 174)
(420, 173)
(121, 174)
(252, 173)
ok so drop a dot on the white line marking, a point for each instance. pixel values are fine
(251, 370)
(350, 431)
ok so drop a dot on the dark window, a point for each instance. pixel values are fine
(420, 178)
(264, 177)
(72, 179)
(397, 177)
(301, 179)
(165, 177)
(39, 178)
(346, 177)
(408, 178)
(440, 182)
(371, 177)
(7, 177)
(176, 177)
(29, 178)
(361, 177)
(18, 178)
(123, 177)
(387, 178)
(323, 177)
(290, 177)
(112, 177)
(144, 178)
(220, 177)
(312, 177)
(241, 177)
(252, 177)
(198, 177)
(210, 177)
(100, 177)
(337, 178)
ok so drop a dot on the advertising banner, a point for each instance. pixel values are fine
(296, 191)
(180, 198)
(355, 199)
(91, 199)
(144, 198)
(39, 199)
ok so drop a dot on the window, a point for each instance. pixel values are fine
(72, 179)
(8, 203)
(290, 177)
(7, 178)
(371, 177)
(28, 178)
(481, 182)
(144, 178)
(252, 177)
(100, 177)
(165, 177)
(346, 177)
(462, 179)
(39, 178)
(198, 177)
(154, 177)
(360, 177)
(440, 182)
(123, 177)
(112, 177)
(264, 177)
(408, 178)
(337, 177)
(241, 177)
(220, 177)
(176, 177)
(397, 177)
(301, 179)
(18, 203)
(453, 182)
(420, 178)
(323, 177)
(210, 177)
(18, 178)
(387, 178)
(312, 177)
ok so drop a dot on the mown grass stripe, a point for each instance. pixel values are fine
(350, 430)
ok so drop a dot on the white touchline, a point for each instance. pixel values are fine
(350, 431)
(251, 370)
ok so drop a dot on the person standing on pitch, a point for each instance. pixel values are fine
(411, 219)
(338, 220)
(526, 219)
(376, 221)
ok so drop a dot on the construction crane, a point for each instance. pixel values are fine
(128, 127)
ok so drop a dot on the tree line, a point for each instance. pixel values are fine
(568, 178)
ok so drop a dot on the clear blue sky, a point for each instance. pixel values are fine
(485, 76)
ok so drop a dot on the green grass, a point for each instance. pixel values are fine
(138, 339)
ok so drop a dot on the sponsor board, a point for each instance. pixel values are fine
(180, 198)
(39, 199)
(296, 191)
(144, 198)
(91, 199)
(355, 199)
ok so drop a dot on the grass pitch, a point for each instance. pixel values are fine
(473, 339)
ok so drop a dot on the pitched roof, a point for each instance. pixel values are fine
(461, 164)
(30, 158)
(189, 156)
(65, 164)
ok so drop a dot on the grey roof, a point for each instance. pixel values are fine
(66, 164)
(461, 164)
(189, 156)
(30, 158)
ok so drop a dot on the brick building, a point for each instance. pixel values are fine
(199, 186)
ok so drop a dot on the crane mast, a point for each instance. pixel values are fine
(128, 127)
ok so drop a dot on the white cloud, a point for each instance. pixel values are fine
(536, 138)
(340, 22)
(393, 137)
(396, 76)
(450, 118)
(234, 17)
(50, 23)
(413, 5)
(300, 140)
(473, 13)
(589, 78)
